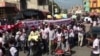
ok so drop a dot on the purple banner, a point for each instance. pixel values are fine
(38, 22)
(59, 22)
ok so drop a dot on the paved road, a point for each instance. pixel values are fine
(81, 51)
(76, 51)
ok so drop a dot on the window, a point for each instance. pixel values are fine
(42, 2)
(2, 12)
(94, 1)
(23, 4)
(84, 2)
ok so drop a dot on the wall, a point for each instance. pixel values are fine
(86, 5)
(31, 4)
(95, 6)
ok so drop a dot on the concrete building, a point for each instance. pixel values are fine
(86, 4)
(95, 5)
(7, 9)
(41, 5)
(92, 5)
(30, 4)
(34, 4)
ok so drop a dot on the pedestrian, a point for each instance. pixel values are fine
(51, 36)
(44, 34)
(87, 18)
(80, 36)
(96, 46)
(71, 38)
(33, 37)
(12, 48)
(1, 39)
(17, 39)
(22, 40)
(1, 50)
(6, 47)
(66, 43)
(59, 37)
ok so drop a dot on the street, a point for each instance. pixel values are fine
(76, 51)
(81, 51)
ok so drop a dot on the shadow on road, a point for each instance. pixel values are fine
(73, 52)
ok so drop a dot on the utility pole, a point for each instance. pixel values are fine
(52, 8)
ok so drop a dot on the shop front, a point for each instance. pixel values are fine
(7, 9)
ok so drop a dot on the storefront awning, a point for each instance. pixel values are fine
(7, 4)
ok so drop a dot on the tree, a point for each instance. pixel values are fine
(55, 6)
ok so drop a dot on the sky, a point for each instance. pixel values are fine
(65, 4)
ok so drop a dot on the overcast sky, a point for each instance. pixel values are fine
(68, 3)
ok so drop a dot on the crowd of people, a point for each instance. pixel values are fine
(48, 38)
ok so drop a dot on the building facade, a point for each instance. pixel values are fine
(86, 4)
(95, 5)
(91, 5)
(30, 4)
(41, 5)
(7, 9)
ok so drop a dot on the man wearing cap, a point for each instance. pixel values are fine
(32, 38)
(34, 35)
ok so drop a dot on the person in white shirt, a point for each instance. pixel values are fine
(51, 35)
(22, 39)
(59, 37)
(87, 19)
(44, 34)
(1, 50)
(71, 38)
(75, 28)
(67, 48)
(1, 39)
(65, 33)
(94, 23)
(96, 47)
(18, 39)
(80, 36)
(12, 50)
(18, 34)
